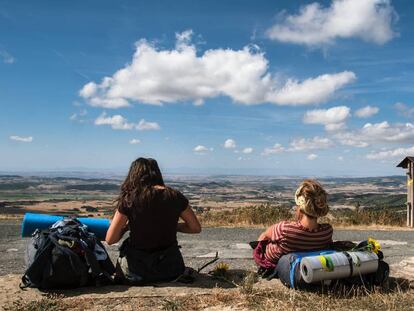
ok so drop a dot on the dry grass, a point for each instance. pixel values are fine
(383, 217)
(238, 299)
(266, 214)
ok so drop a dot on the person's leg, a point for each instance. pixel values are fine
(266, 267)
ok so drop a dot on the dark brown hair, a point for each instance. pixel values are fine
(137, 190)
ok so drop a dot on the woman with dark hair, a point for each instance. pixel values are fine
(151, 211)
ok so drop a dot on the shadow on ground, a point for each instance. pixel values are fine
(232, 279)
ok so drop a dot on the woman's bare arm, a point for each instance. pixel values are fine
(190, 224)
(266, 235)
(118, 227)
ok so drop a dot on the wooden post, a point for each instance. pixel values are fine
(411, 193)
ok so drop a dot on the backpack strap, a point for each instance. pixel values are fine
(33, 276)
(293, 265)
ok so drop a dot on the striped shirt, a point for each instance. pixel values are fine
(290, 237)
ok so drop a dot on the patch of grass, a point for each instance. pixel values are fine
(267, 214)
(171, 305)
(263, 214)
(368, 217)
(246, 296)
(247, 285)
(220, 270)
(50, 303)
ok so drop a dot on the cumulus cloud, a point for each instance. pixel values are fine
(404, 110)
(390, 153)
(312, 156)
(333, 118)
(310, 144)
(366, 112)
(147, 126)
(157, 77)
(134, 141)
(200, 149)
(315, 25)
(275, 149)
(27, 139)
(118, 122)
(230, 144)
(313, 90)
(247, 150)
(300, 144)
(382, 132)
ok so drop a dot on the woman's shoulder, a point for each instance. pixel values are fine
(172, 194)
(326, 227)
(169, 190)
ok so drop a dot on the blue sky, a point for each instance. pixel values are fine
(240, 87)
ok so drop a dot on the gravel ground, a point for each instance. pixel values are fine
(198, 249)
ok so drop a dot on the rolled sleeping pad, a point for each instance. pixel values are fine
(32, 221)
(338, 265)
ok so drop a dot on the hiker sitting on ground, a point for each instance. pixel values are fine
(303, 234)
(151, 211)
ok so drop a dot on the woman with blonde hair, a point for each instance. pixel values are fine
(303, 234)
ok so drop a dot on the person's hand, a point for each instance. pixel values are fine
(263, 237)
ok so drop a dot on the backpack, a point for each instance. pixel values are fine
(288, 271)
(66, 255)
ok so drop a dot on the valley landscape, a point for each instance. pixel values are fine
(208, 195)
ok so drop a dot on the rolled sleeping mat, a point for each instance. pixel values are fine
(338, 265)
(32, 221)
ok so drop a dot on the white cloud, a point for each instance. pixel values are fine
(28, 139)
(247, 150)
(312, 90)
(391, 153)
(300, 144)
(147, 126)
(230, 144)
(312, 156)
(7, 57)
(350, 139)
(366, 112)
(201, 149)
(340, 158)
(404, 110)
(134, 141)
(118, 122)
(314, 25)
(333, 118)
(277, 148)
(310, 144)
(378, 133)
(157, 76)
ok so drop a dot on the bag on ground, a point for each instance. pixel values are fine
(291, 268)
(66, 255)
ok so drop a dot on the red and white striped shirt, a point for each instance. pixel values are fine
(290, 237)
